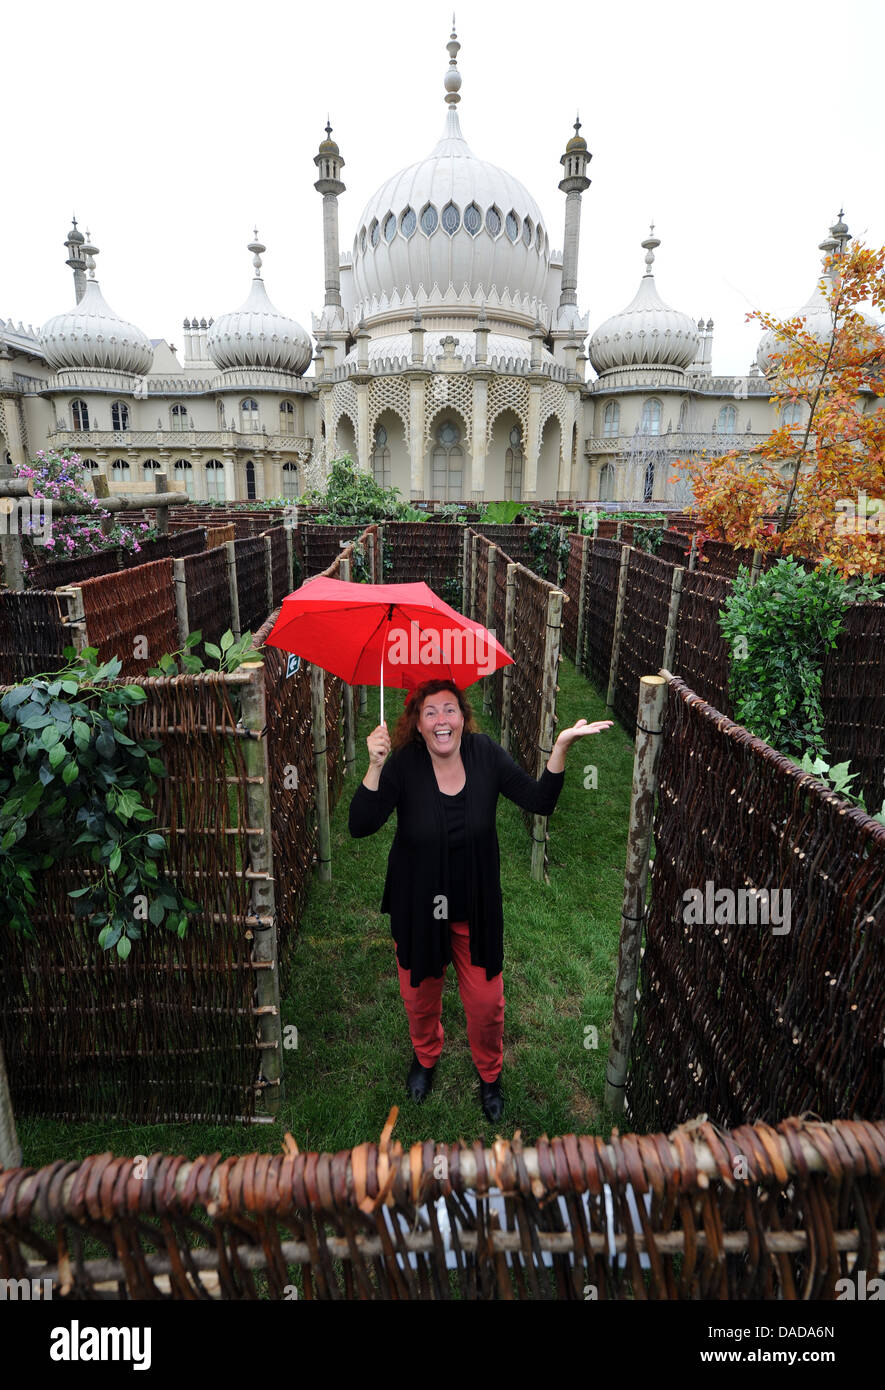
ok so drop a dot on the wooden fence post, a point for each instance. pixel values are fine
(619, 621)
(230, 547)
(653, 692)
(347, 698)
(75, 619)
(755, 567)
(263, 924)
(693, 553)
(474, 566)
(552, 640)
(491, 567)
(290, 552)
(318, 729)
(268, 550)
(160, 484)
(465, 569)
(10, 1148)
(180, 584)
(579, 640)
(673, 617)
(509, 629)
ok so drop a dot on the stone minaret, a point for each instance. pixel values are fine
(76, 259)
(574, 161)
(329, 163)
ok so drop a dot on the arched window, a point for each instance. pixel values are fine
(215, 479)
(651, 417)
(791, 413)
(381, 458)
(649, 483)
(287, 417)
(429, 219)
(472, 219)
(513, 465)
(180, 419)
(389, 227)
(149, 468)
(511, 225)
(447, 463)
(607, 482)
(84, 463)
(611, 419)
(683, 417)
(290, 480)
(408, 222)
(119, 416)
(493, 221)
(250, 480)
(375, 233)
(120, 471)
(249, 416)
(183, 473)
(80, 415)
(727, 420)
(451, 219)
(539, 238)
(527, 231)
(363, 240)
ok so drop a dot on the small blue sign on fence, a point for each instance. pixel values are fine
(292, 665)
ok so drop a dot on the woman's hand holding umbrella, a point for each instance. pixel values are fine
(378, 744)
(556, 761)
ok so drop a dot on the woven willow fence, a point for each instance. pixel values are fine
(763, 977)
(778, 1214)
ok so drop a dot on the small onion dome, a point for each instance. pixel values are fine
(91, 336)
(328, 145)
(815, 313)
(577, 141)
(648, 333)
(257, 334)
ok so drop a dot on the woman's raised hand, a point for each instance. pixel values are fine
(378, 744)
(568, 736)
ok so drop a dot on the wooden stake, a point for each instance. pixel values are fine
(579, 640)
(318, 729)
(474, 566)
(180, 583)
(347, 700)
(693, 553)
(755, 567)
(75, 619)
(509, 629)
(10, 1148)
(268, 569)
(488, 690)
(673, 617)
(160, 482)
(465, 569)
(619, 618)
(653, 692)
(552, 642)
(230, 548)
(262, 900)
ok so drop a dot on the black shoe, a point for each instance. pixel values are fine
(491, 1098)
(419, 1080)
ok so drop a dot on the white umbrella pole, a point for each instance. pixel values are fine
(382, 685)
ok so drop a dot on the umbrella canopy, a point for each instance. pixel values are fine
(369, 634)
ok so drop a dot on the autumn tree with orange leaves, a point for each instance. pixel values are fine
(815, 489)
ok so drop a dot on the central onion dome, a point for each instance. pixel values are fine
(91, 337)
(257, 335)
(450, 220)
(648, 333)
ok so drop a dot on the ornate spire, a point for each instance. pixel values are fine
(256, 248)
(90, 252)
(651, 243)
(452, 79)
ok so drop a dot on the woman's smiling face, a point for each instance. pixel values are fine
(441, 723)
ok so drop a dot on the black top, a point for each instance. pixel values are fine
(455, 808)
(419, 867)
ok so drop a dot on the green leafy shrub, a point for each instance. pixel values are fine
(355, 499)
(779, 632)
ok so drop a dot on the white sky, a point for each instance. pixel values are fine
(172, 129)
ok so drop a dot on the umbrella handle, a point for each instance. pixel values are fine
(382, 685)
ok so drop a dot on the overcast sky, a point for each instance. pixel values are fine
(172, 129)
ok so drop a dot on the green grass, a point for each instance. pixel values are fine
(560, 956)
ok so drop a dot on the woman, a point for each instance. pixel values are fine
(443, 884)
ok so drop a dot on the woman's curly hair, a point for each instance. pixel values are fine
(406, 728)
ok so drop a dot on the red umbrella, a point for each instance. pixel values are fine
(365, 633)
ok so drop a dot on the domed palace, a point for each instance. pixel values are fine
(451, 359)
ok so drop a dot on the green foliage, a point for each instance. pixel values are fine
(355, 499)
(550, 549)
(450, 591)
(839, 778)
(779, 632)
(230, 654)
(451, 511)
(648, 538)
(501, 513)
(72, 787)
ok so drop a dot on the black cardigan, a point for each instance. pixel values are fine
(417, 867)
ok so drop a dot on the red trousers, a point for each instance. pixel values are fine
(483, 1002)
